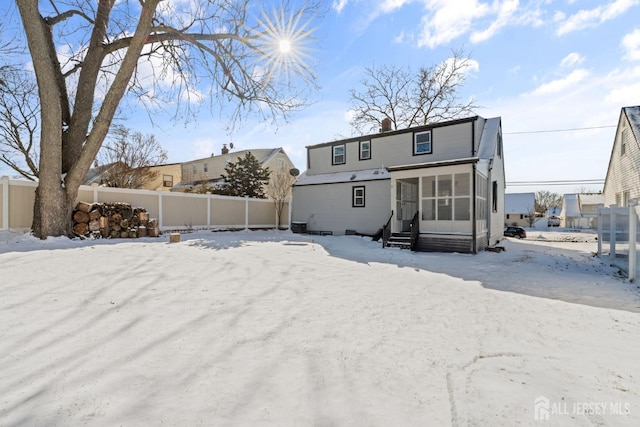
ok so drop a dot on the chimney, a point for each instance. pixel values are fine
(386, 124)
(225, 150)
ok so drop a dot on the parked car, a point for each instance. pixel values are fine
(517, 232)
(553, 221)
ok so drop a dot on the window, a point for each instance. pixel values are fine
(422, 143)
(446, 197)
(462, 197)
(494, 196)
(280, 164)
(357, 197)
(365, 150)
(623, 142)
(206, 168)
(481, 198)
(167, 180)
(338, 155)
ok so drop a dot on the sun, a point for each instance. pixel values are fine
(282, 43)
(285, 46)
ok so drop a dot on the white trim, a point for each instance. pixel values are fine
(5, 202)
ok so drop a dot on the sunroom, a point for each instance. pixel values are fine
(443, 205)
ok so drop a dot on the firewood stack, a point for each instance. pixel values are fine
(113, 220)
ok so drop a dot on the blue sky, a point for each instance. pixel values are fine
(541, 65)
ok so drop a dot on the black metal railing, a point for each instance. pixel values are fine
(415, 230)
(386, 231)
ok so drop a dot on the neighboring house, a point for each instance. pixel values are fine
(622, 185)
(581, 210)
(449, 176)
(208, 171)
(165, 178)
(518, 208)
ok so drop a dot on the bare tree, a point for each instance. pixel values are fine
(19, 122)
(531, 215)
(279, 190)
(546, 199)
(411, 99)
(131, 155)
(165, 53)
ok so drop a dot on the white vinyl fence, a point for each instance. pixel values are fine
(618, 238)
(174, 211)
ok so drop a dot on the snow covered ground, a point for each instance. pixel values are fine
(273, 328)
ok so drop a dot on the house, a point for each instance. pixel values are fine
(519, 209)
(447, 179)
(622, 184)
(581, 210)
(209, 170)
(158, 177)
(166, 176)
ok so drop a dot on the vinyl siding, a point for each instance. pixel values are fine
(448, 142)
(624, 170)
(328, 207)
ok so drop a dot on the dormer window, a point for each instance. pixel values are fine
(422, 143)
(338, 155)
(365, 150)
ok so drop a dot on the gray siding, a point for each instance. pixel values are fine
(328, 207)
(448, 142)
(623, 173)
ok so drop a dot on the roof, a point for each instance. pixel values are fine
(95, 174)
(489, 138)
(518, 203)
(633, 116)
(261, 154)
(591, 198)
(433, 164)
(342, 177)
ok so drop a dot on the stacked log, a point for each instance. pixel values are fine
(113, 220)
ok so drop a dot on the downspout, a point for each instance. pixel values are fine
(473, 138)
(474, 227)
(490, 205)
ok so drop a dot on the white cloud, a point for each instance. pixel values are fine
(631, 44)
(574, 58)
(399, 39)
(449, 20)
(557, 86)
(338, 5)
(506, 11)
(594, 17)
(391, 5)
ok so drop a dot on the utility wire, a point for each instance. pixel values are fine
(558, 130)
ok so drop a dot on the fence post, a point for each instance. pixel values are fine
(160, 209)
(290, 211)
(612, 234)
(5, 202)
(600, 235)
(208, 210)
(246, 212)
(94, 185)
(632, 244)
